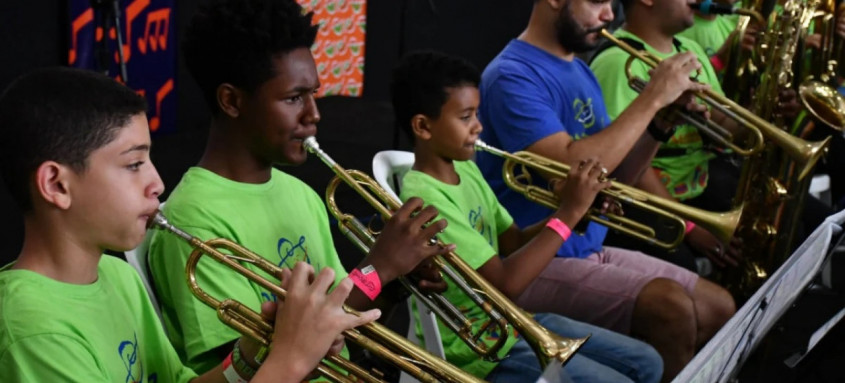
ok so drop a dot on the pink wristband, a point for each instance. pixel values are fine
(367, 280)
(689, 227)
(717, 63)
(560, 228)
(229, 372)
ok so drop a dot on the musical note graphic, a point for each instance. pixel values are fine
(160, 19)
(155, 121)
(80, 22)
(132, 11)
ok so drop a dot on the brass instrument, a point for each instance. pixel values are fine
(741, 66)
(817, 90)
(824, 64)
(549, 347)
(722, 225)
(773, 185)
(804, 152)
(704, 125)
(373, 337)
(364, 237)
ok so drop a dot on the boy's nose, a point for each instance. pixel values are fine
(156, 187)
(312, 113)
(477, 128)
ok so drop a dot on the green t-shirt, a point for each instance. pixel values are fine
(685, 172)
(476, 219)
(711, 34)
(283, 220)
(106, 331)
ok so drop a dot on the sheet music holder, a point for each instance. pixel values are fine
(822, 330)
(720, 359)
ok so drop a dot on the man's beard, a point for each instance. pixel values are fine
(571, 35)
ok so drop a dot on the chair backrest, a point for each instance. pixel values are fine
(389, 166)
(137, 257)
(820, 188)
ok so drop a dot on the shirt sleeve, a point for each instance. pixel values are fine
(519, 111)
(50, 358)
(503, 218)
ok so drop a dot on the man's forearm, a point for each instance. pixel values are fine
(615, 142)
(638, 160)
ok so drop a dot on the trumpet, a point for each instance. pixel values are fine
(804, 152)
(373, 337)
(364, 237)
(549, 347)
(722, 225)
(705, 125)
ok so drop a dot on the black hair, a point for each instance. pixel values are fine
(234, 41)
(62, 115)
(420, 82)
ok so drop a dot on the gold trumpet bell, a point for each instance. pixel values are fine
(824, 103)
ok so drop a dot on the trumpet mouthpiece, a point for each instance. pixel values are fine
(311, 144)
(157, 220)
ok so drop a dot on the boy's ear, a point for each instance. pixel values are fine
(229, 99)
(420, 126)
(51, 184)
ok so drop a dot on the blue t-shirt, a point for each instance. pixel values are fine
(528, 94)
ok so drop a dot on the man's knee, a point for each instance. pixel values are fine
(716, 300)
(664, 303)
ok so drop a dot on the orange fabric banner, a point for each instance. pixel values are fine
(339, 47)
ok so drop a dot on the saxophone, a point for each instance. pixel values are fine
(770, 186)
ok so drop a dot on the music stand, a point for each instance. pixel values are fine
(720, 359)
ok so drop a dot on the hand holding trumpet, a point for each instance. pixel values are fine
(579, 190)
(671, 79)
(406, 240)
(307, 324)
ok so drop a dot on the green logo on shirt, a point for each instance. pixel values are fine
(128, 351)
(291, 253)
(584, 112)
(476, 219)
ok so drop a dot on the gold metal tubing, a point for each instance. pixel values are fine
(549, 347)
(373, 336)
(705, 125)
(722, 225)
(758, 18)
(802, 151)
(364, 238)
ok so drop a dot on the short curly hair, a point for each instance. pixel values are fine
(235, 41)
(420, 82)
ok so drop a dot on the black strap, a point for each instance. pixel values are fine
(670, 152)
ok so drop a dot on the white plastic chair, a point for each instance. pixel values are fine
(820, 188)
(389, 167)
